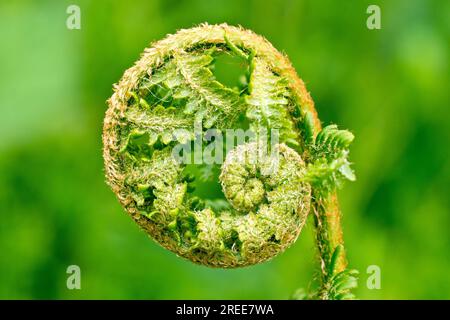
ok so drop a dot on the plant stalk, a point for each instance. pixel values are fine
(327, 219)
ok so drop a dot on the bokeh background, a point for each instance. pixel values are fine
(389, 86)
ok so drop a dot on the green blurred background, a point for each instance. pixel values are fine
(389, 86)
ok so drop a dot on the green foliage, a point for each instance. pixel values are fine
(331, 142)
(308, 129)
(330, 166)
(187, 83)
(338, 285)
(335, 285)
(269, 104)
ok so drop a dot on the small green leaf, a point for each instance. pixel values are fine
(234, 48)
(338, 251)
(308, 128)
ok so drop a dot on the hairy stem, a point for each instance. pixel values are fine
(329, 145)
(327, 218)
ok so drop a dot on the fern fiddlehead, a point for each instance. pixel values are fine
(173, 89)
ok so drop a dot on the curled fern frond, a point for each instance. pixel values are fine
(170, 100)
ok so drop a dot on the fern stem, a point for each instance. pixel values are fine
(327, 218)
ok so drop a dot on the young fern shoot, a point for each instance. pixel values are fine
(171, 100)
